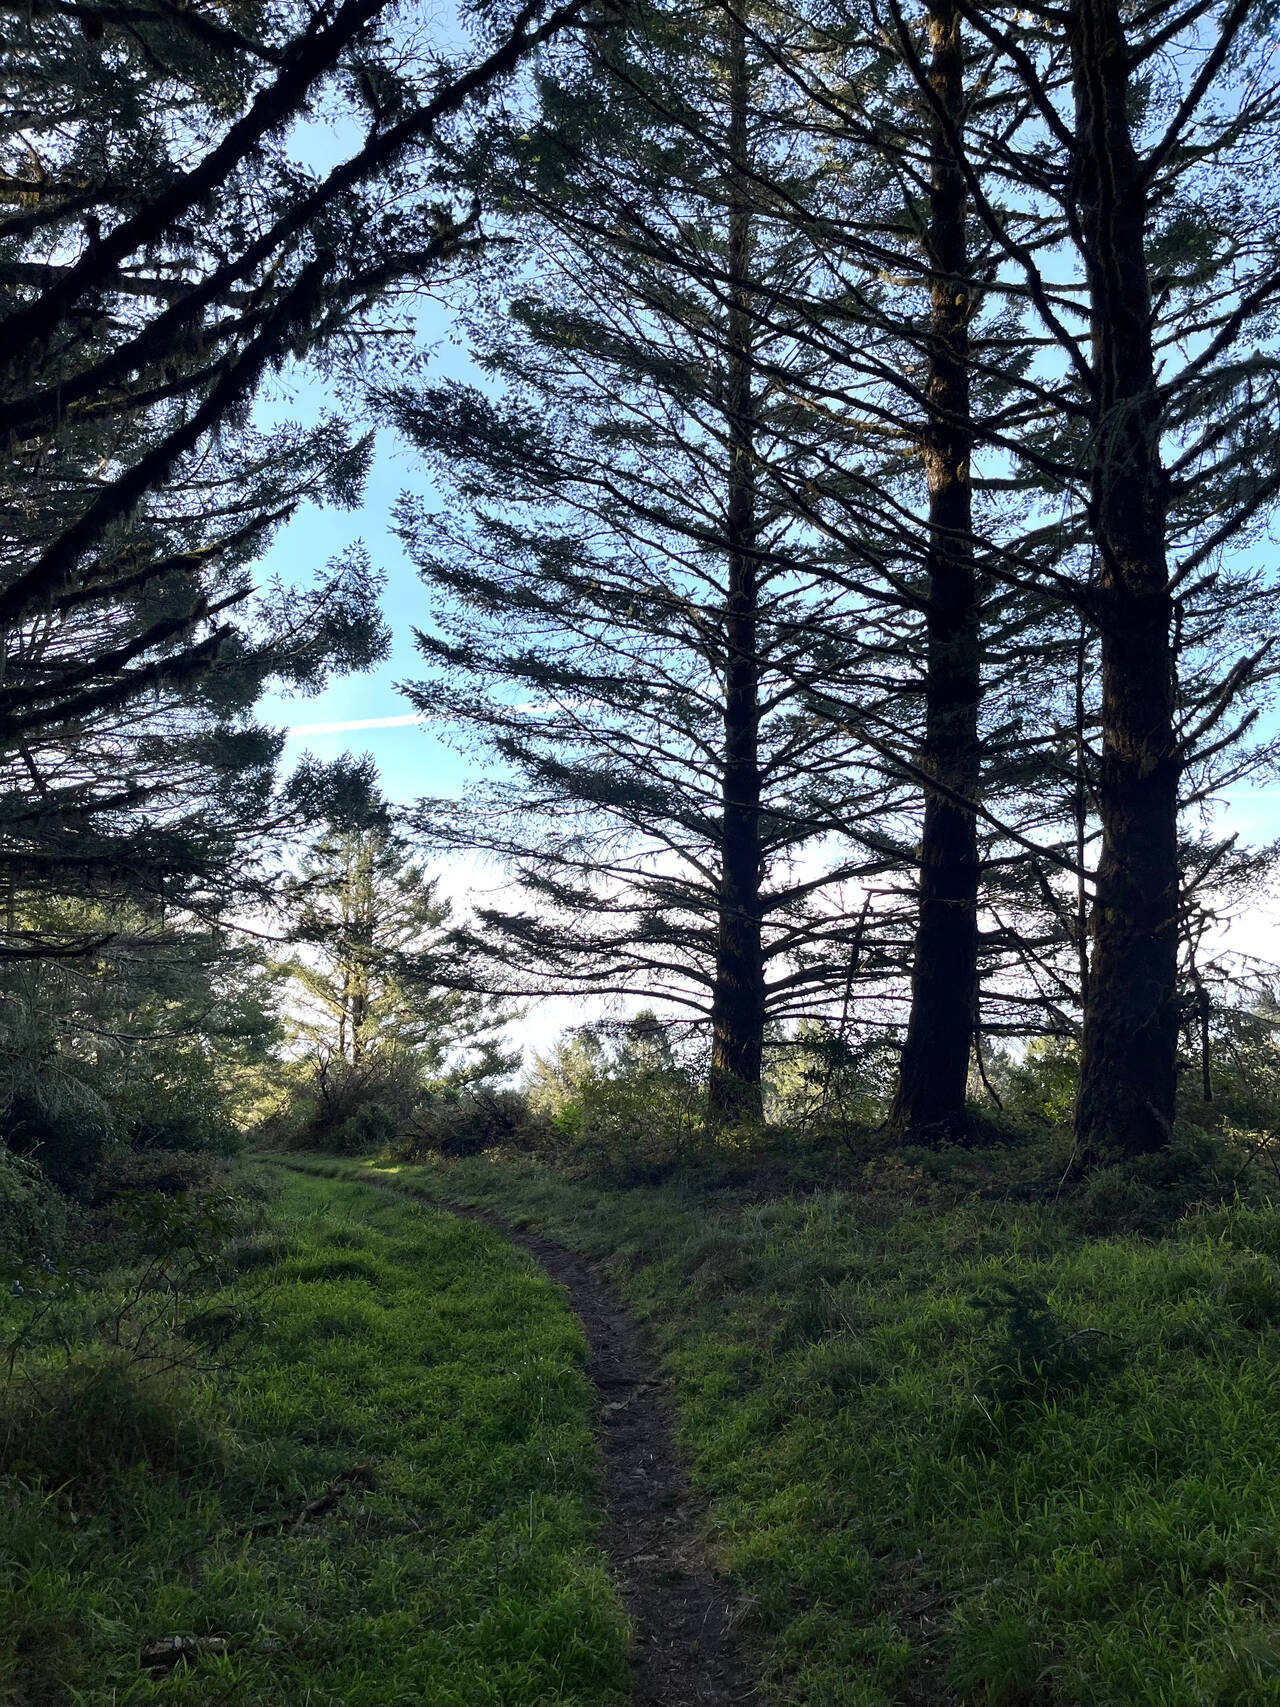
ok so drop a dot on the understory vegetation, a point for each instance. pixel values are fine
(974, 1429)
(316, 1445)
(958, 1449)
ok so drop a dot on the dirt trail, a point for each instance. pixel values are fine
(686, 1652)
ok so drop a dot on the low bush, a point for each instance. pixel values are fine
(466, 1121)
(179, 1103)
(618, 1100)
(33, 1215)
(332, 1092)
(823, 1082)
(66, 1144)
(104, 1412)
(169, 1172)
(188, 1133)
(366, 1132)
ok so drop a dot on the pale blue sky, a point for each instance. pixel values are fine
(413, 760)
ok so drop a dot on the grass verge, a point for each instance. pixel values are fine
(968, 1455)
(376, 1490)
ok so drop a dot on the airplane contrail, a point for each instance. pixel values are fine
(350, 724)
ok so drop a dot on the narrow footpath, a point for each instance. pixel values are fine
(685, 1647)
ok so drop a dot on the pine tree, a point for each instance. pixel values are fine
(934, 1070)
(154, 1035)
(1109, 167)
(376, 999)
(626, 619)
(916, 371)
(1148, 179)
(161, 254)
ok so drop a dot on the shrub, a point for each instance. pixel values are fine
(1040, 1085)
(1147, 1194)
(66, 1144)
(369, 1129)
(619, 1099)
(328, 1095)
(175, 1099)
(98, 1415)
(465, 1121)
(187, 1132)
(169, 1172)
(826, 1082)
(33, 1216)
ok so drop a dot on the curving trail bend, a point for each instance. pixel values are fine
(685, 1651)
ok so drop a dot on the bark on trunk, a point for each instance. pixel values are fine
(930, 1101)
(1130, 1038)
(738, 996)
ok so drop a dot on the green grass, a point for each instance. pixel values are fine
(361, 1330)
(963, 1456)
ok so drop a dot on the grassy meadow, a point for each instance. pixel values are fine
(961, 1454)
(361, 1472)
(957, 1450)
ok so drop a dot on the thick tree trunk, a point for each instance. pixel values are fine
(930, 1101)
(738, 997)
(1129, 1050)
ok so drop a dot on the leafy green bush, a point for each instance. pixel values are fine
(827, 1082)
(467, 1120)
(187, 1132)
(169, 1172)
(65, 1142)
(1245, 1066)
(33, 1216)
(178, 1103)
(1040, 1084)
(366, 1131)
(326, 1095)
(619, 1099)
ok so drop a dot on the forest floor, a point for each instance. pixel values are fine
(696, 1443)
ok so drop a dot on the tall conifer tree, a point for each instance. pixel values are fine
(664, 605)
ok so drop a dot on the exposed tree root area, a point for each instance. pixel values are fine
(686, 1651)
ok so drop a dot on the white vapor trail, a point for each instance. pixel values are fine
(352, 723)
